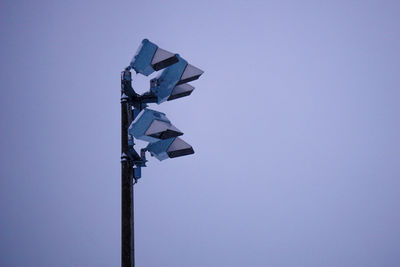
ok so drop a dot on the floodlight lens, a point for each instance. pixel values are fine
(179, 148)
(181, 91)
(191, 73)
(163, 59)
(162, 130)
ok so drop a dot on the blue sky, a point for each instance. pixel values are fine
(295, 124)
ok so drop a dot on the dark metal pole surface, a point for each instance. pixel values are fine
(127, 231)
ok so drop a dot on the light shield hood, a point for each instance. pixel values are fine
(149, 58)
(170, 148)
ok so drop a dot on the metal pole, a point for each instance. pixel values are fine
(127, 230)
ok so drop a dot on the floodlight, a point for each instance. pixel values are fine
(171, 83)
(169, 148)
(149, 58)
(181, 91)
(151, 126)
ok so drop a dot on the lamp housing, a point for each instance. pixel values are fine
(150, 58)
(151, 126)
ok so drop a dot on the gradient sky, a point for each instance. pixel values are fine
(295, 124)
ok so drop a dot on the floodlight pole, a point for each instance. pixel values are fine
(127, 182)
(148, 59)
(131, 164)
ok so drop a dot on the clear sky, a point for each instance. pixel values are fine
(295, 124)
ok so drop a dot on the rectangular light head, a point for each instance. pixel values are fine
(170, 148)
(177, 74)
(151, 126)
(149, 58)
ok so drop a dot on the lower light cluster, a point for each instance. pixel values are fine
(154, 127)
